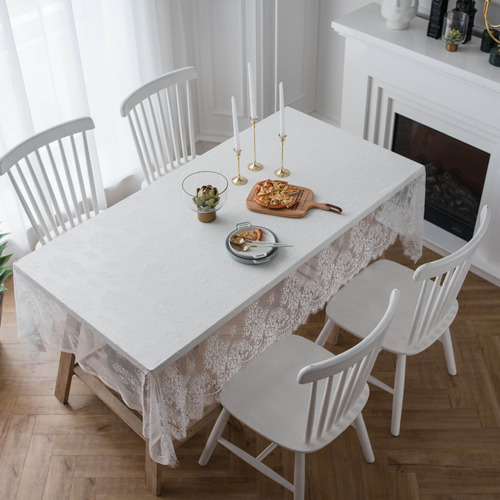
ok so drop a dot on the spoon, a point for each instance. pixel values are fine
(240, 240)
(242, 248)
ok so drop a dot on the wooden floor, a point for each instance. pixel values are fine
(449, 447)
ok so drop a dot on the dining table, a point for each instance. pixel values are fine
(148, 300)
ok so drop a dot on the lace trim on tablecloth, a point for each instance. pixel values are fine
(182, 393)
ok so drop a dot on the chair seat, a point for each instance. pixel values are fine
(370, 288)
(269, 383)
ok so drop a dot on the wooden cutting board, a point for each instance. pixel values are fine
(305, 203)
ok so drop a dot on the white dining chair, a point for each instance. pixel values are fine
(300, 396)
(426, 310)
(160, 114)
(54, 178)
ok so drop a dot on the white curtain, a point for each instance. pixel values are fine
(61, 59)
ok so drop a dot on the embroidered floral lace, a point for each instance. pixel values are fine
(183, 392)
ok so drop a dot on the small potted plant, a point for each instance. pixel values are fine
(5, 271)
(206, 193)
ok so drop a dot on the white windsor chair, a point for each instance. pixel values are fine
(301, 397)
(54, 179)
(160, 114)
(427, 307)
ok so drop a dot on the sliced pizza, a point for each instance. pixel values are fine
(276, 194)
(253, 235)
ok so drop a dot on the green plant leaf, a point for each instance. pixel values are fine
(5, 271)
(3, 260)
(5, 274)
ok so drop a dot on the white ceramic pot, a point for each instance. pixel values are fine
(399, 13)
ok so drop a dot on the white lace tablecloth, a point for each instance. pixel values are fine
(173, 396)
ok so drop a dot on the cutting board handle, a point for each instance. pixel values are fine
(326, 206)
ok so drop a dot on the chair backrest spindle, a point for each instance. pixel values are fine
(60, 189)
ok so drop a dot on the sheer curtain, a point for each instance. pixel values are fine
(61, 59)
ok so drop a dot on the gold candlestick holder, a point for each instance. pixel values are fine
(238, 180)
(255, 166)
(282, 172)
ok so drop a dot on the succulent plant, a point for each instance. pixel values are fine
(207, 198)
(5, 271)
(454, 37)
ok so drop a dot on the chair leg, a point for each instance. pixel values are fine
(299, 476)
(325, 332)
(214, 437)
(448, 352)
(399, 389)
(364, 439)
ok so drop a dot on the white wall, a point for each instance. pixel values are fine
(331, 58)
(227, 34)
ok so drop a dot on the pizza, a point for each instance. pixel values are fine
(276, 194)
(253, 235)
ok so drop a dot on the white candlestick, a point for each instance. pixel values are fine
(235, 125)
(251, 94)
(282, 112)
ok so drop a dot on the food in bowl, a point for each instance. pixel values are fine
(253, 235)
(207, 198)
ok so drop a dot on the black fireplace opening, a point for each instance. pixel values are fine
(455, 174)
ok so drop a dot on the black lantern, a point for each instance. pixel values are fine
(438, 10)
(469, 7)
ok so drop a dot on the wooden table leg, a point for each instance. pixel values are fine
(64, 376)
(152, 472)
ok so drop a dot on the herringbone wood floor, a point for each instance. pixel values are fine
(449, 447)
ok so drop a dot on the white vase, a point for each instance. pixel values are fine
(399, 13)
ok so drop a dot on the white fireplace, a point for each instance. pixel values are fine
(389, 73)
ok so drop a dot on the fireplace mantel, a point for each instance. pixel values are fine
(388, 72)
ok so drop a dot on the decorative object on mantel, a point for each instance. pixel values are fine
(399, 13)
(435, 26)
(495, 55)
(454, 29)
(487, 42)
(469, 8)
(489, 27)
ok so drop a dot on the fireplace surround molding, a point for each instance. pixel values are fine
(389, 72)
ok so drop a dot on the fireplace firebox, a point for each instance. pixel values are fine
(455, 174)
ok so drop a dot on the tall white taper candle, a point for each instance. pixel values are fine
(236, 130)
(251, 93)
(282, 112)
